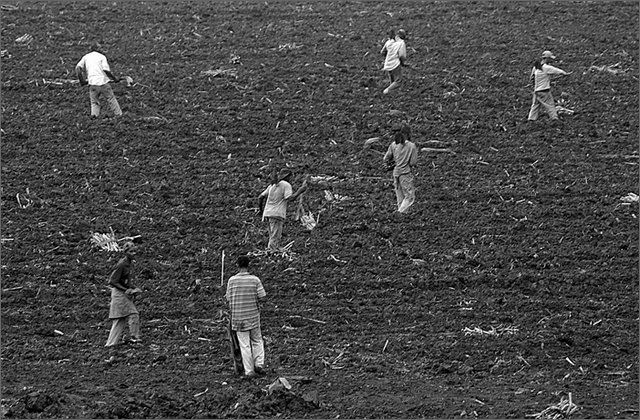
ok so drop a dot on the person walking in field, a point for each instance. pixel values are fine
(122, 310)
(273, 205)
(93, 70)
(542, 98)
(404, 154)
(395, 51)
(244, 290)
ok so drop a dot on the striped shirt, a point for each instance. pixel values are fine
(243, 292)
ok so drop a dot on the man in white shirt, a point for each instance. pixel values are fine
(277, 195)
(93, 69)
(540, 73)
(396, 54)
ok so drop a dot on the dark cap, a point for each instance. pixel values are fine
(243, 261)
(284, 173)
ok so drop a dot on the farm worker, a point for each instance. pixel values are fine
(243, 292)
(273, 205)
(405, 156)
(122, 310)
(93, 69)
(396, 54)
(541, 93)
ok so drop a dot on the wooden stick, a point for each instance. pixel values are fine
(308, 319)
(129, 238)
(201, 393)
(431, 149)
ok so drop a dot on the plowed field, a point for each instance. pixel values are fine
(512, 285)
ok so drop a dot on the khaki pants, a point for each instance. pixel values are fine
(542, 99)
(275, 232)
(405, 191)
(117, 328)
(252, 349)
(96, 92)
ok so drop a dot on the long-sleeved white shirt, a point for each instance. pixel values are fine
(542, 79)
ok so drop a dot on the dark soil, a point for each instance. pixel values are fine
(519, 232)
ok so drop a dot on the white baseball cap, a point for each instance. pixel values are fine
(547, 54)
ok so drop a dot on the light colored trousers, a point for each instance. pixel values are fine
(545, 100)
(275, 232)
(405, 191)
(117, 328)
(96, 92)
(252, 349)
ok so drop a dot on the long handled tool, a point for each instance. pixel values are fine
(222, 271)
(234, 346)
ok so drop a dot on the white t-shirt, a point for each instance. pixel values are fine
(396, 48)
(277, 195)
(94, 64)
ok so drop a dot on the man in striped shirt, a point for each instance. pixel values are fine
(243, 292)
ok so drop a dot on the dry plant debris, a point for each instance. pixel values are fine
(493, 331)
(562, 410)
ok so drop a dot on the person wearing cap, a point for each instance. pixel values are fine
(404, 154)
(395, 51)
(540, 74)
(122, 310)
(244, 290)
(273, 205)
(93, 70)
